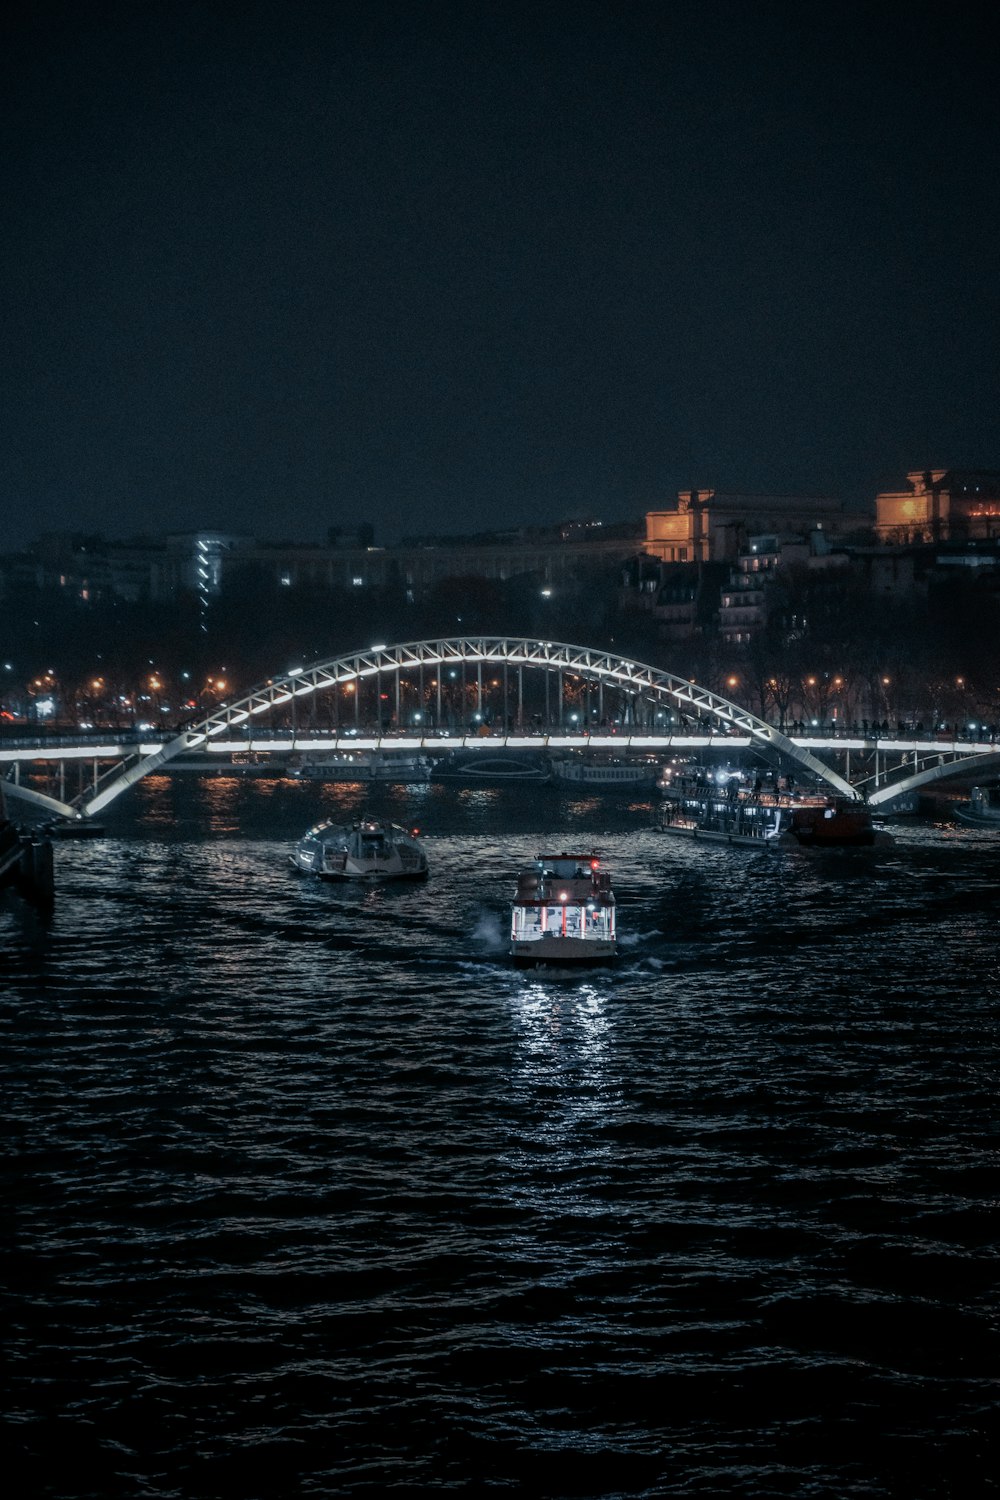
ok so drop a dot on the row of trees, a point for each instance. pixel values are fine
(832, 649)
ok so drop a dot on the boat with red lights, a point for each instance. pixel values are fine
(727, 812)
(563, 912)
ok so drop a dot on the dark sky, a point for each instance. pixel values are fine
(281, 266)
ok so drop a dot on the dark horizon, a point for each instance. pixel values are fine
(448, 268)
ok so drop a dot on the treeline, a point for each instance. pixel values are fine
(831, 642)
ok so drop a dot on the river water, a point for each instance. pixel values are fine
(314, 1195)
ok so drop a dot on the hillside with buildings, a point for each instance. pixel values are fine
(789, 601)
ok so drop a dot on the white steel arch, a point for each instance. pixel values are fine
(553, 656)
(985, 765)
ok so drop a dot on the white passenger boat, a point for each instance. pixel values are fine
(563, 912)
(367, 850)
(363, 765)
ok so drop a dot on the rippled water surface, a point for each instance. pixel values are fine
(314, 1195)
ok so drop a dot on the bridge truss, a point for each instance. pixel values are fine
(429, 670)
(644, 688)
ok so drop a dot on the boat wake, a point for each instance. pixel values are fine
(488, 934)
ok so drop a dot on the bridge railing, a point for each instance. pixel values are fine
(835, 737)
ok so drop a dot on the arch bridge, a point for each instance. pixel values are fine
(519, 689)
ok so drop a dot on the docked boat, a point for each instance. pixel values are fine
(363, 765)
(732, 814)
(597, 775)
(982, 809)
(563, 912)
(367, 850)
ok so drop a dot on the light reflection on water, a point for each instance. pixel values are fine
(318, 1195)
(567, 1027)
(563, 1034)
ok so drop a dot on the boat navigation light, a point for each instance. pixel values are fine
(595, 864)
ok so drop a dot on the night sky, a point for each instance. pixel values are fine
(280, 267)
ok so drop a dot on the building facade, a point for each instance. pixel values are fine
(941, 505)
(712, 526)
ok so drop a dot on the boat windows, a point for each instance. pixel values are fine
(564, 920)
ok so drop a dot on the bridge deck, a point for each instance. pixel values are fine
(105, 747)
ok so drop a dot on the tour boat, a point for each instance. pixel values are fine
(563, 912)
(732, 814)
(596, 775)
(367, 850)
(363, 765)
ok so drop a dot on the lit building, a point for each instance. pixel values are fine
(941, 505)
(744, 605)
(712, 526)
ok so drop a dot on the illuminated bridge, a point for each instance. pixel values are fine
(485, 692)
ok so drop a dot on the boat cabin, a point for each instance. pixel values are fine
(563, 896)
